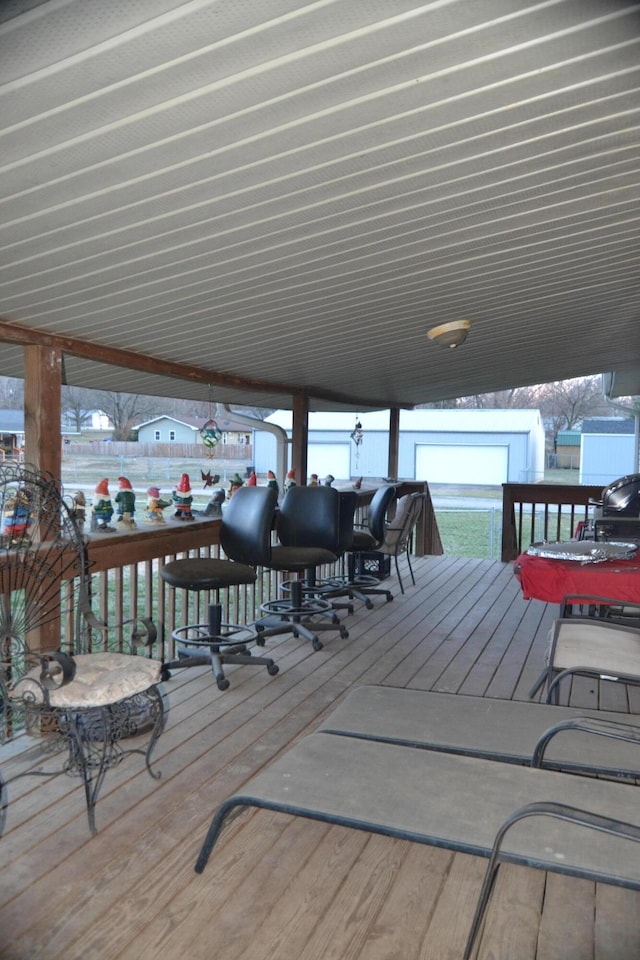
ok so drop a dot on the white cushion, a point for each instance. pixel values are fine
(100, 679)
(395, 528)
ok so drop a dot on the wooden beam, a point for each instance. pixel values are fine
(162, 366)
(300, 436)
(42, 386)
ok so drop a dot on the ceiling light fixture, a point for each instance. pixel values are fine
(450, 334)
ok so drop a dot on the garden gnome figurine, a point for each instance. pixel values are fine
(155, 506)
(79, 508)
(182, 499)
(290, 480)
(271, 481)
(102, 508)
(235, 483)
(313, 480)
(253, 480)
(125, 503)
(17, 519)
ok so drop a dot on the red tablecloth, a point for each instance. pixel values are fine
(551, 580)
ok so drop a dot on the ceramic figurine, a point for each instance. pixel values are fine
(213, 509)
(79, 508)
(155, 506)
(328, 480)
(208, 479)
(290, 480)
(313, 480)
(253, 480)
(17, 519)
(125, 503)
(102, 510)
(235, 483)
(182, 499)
(271, 481)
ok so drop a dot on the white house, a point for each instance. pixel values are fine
(482, 447)
(184, 429)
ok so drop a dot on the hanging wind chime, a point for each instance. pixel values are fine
(210, 432)
(357, 435)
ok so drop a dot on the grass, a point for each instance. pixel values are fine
(470, 532)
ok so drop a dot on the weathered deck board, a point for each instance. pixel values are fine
(277, 887)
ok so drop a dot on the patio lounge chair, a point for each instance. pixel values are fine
(513, 731)
(592, 647)
(542, 818)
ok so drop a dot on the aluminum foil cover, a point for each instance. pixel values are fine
(584, 551)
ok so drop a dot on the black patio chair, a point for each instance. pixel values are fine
(367, 539)
(308, 530)
(245, 535)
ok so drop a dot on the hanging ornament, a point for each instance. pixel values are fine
(356, 435)
(210, 433)
(211, 436)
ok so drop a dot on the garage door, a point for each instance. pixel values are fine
(462, 463)
(334, 458)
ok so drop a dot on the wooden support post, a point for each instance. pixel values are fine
(394, 441)
(300, 436)
(42, 405)
(43, 440)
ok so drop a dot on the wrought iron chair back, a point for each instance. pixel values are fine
(55, 686)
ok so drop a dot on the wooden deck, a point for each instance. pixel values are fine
(278, 888)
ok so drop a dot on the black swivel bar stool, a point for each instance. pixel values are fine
(245, 538)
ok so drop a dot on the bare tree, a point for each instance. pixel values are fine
(126, 409)
(518, 398)
(564, 403)
(78, 404)
(11, 393)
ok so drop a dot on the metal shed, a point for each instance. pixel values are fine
(483, 447)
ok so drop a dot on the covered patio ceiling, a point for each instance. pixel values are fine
(279, 196)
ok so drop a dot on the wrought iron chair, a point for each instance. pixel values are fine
(58, 679)
(398, 532)
(245, 536)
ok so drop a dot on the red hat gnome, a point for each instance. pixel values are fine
(102, 508)
(182, 499)
(125, 503)
(290, 480)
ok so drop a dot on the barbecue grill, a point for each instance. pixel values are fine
(620, 499)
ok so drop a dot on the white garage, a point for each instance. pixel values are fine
(480, 447)
(478, 463)
(333, 458)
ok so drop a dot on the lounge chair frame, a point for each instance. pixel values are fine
(351, 780)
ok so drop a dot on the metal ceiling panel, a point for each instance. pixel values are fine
(295, 192)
